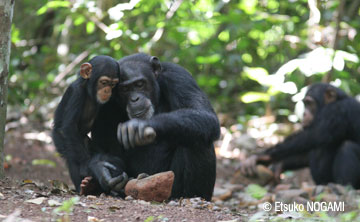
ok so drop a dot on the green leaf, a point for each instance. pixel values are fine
(224, 36)
(67, 206)
(79, 20)
(256, 191)
(53, 4)
(257, 74)
(43, 162)
(249, 6)
(349, 216)
(208, 59)
(251, 97)
(149, 219)
(90, 27)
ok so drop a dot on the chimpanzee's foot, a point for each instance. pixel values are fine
(89, 186)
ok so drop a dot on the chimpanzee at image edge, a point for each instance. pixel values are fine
(164, 97)
(329, 142)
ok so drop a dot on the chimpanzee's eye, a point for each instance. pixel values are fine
(125, 88)
(139, 84)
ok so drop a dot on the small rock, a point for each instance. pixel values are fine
(173, 203)
(37, 201)
(338, 189)
(53, 203)
(153, 188)
(129, 198)
(216, 208)
(288, 196)
(29, 192)
(93, 219)
(320, 189)
(263, 177)
(282, 187)
(2, 197)
(329, 197)
(197, 206)
(143, 202)
(91, 197)
(221, 194)
(195, 200)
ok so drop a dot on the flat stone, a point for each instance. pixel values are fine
(263, 177)
(153, 188)
(289, 196)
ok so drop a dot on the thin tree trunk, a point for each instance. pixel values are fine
(6, 13)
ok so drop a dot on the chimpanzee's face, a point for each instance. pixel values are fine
(310, 111)
(104, 87)
(137, 89)
(101, 74)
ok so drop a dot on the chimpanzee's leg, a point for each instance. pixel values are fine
(347, 165)
(321, 162)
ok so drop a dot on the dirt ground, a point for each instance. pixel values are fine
(26, 182)
(38, 188)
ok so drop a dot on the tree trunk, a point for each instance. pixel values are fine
(6, 13)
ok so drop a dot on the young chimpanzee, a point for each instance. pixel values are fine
(330, 140)
(170, 125)
(75, 116)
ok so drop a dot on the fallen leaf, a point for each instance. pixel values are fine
(27, 181)
(59, 186)
(93, 207)
(114, 208)
(36, 201)
(91, 197)
(53, 203)
(94, 219)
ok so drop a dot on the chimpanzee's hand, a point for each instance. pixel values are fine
(248, 166)
(103, 172)
(277, 169)
(134, 133)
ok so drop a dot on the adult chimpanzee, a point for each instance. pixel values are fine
(75, 115)
(330, 139)
(170, 125)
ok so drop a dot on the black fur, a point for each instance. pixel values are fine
(72, 121)
(185, 124)
(331, 143)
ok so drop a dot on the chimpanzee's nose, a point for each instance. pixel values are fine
(134, 98)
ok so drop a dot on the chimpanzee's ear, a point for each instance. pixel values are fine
(330, 95)
(155, 64)
(85, 70)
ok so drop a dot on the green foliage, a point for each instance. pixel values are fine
(45, 162)
(67, 206)
(66, 209)
(256, 191)
(245, 51)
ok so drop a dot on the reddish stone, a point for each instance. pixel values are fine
(153, 188)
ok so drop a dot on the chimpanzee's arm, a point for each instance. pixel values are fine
(295, 162)
(191, 118)
(67, 138)
(331, 126)
(186, 126)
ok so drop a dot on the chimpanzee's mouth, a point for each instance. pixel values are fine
(140, 114)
